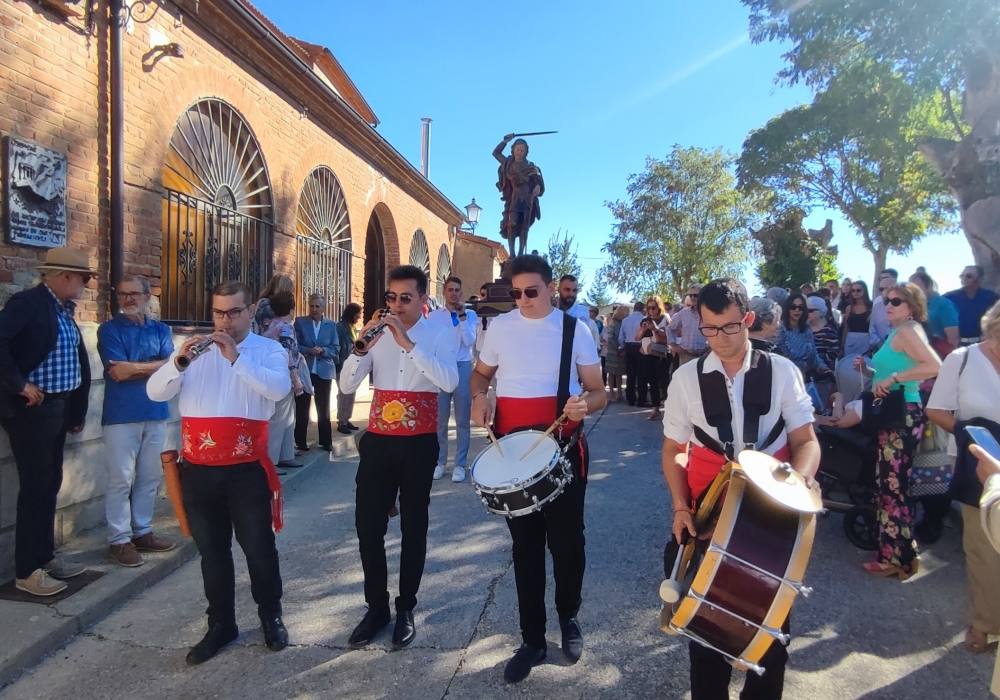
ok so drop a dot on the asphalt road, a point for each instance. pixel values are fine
(855, 637)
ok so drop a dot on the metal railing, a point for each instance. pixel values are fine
(324, 269)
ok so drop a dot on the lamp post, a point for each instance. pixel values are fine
(472, 211)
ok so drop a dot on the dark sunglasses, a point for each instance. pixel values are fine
(796, 307)
(530, 292)
(392, 297)
(895, 301)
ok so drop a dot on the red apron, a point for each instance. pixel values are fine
(226, 442)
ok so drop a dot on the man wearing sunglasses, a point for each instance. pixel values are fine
(45, 380)
(226, 395)
(973, 301)
(411, 360)
(523, 349)
(719, 383)
(132, 346)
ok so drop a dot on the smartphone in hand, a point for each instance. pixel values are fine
(984, 438)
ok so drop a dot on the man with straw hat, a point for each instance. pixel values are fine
(44, 385)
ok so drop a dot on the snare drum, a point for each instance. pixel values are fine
(511, 486)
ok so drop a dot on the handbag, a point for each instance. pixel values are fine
(933, 468)
(886, 413)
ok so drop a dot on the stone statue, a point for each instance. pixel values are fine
(520, 183)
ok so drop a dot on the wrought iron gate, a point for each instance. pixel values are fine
(204, 244)
(323, 269)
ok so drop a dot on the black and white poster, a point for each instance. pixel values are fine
(35, 189)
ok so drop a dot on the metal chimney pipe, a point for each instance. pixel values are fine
(425, 146)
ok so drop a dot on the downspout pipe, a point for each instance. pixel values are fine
(116, 95)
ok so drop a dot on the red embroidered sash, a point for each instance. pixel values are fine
(224, 442)
(403, 412)
(704, 465)
(513, 413)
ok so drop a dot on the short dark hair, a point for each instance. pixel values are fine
(530, 263)
(567, 278)
(892, 272)
(350, 313)
(453, 278)
(230, 287)
(639, 306)
(282, 303)
(718, 295)
(409, 272)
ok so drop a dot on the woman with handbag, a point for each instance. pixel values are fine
(652, 366)
(904, 360)
(967, 389)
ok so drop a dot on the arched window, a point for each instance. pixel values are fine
(420, 255)
(442, 272)
(217, 213)
(324, 244)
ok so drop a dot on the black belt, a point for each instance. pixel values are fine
(57, 394)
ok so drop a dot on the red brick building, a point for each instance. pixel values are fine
(246, 152)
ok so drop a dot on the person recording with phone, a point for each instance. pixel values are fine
(965, 394)
(411, 360)
(226, 396)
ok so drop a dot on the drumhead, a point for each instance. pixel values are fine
(491, 470)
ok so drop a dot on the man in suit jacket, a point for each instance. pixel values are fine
(44, 386)
(318, 341)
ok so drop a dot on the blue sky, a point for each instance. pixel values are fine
(620, 81)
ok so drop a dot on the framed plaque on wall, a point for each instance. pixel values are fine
(34, 194)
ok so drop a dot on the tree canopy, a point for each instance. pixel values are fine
(562, 256)
(683, 221)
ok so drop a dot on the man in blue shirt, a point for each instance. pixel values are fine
(132, 346)
(972, 301)
(319, 342)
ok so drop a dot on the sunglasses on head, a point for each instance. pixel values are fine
(392, 297)
(530, 292)
(895, 301)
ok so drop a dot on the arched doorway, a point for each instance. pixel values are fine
(374, 267)
(217, 210)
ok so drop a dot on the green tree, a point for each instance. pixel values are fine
(854, 149)
(562, 256)
(793, 256)
(946, 49)
(683, 221)
(599, 295)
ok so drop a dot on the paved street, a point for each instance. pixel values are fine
(856, 637)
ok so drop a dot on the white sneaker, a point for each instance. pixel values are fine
(40, 583)
(458, 474)
(438, 471)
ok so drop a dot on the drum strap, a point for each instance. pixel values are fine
(565, 360)
(719, 413)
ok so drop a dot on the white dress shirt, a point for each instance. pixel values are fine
(212, 388)
(466, 330)
(630, 326)
(432, 365)
(582, 312)
(684, 408)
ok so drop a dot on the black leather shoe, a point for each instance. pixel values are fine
(373, 621)
(343, 430)
(214, 640)
(405, 631)
(520, 665)
(351, 426)
(275, 634)
(572, 639)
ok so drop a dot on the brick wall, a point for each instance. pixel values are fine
(53, 90)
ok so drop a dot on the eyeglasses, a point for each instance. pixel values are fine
(530, 292)
(729, 329)
(392, 297)
(231, 314)
(796, 307)
(895, 301)
(814, 311)
(130, 296)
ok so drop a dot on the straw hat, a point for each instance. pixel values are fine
(66, 260)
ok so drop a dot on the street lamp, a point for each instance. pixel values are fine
(472, 211)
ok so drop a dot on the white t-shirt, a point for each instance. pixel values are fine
(526, 353)
(684, 408)
(973, 395)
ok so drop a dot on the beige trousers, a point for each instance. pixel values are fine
(982, 564)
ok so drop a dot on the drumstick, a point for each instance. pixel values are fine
(496, 442)
(541, 438)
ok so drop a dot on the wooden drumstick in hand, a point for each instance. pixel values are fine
(493, 439)
(541, 438)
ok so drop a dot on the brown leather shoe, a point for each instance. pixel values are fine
(151, 543)
(125, 554)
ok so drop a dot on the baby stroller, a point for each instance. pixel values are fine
(847, 477)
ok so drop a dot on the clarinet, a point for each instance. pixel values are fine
(184, 361)
(362, 343)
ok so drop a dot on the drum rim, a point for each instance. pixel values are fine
(512, 487)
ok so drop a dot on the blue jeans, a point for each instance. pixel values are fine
(463, 411)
